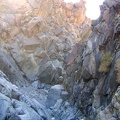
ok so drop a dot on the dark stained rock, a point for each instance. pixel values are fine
(13, 117)
(89, 67)
(86, 75)
(106, 15)
(71, 69)
(77, 50)
(85, 98)
(112, 3)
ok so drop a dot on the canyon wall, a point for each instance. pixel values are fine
(95, 79)
(58, 63)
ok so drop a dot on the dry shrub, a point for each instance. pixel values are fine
(105, 62)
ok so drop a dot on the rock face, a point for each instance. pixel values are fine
(9, 67)
(38, 32)
(56, 92)
(12, 105)
(59, 65)
(95, 81)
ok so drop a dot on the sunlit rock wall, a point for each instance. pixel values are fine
(38, 34)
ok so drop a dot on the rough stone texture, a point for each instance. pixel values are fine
(5, 104)
(54, 95)
(51, 72)
(97, 89)
(15, 102)
(37, 26)
(9, 67)
(49, 42)
(111, 112)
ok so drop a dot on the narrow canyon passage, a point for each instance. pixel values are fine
(59, 60)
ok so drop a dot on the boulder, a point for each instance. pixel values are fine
(14, 104)
(32, 27)
(29, 67)
(30, 44)
(54, 95)
(5, 103)
(28, 114)
(89, 62)
(77, 50)
(9, 67)
(50, 72)
(14, 117)
(111, 112)
(72, 68)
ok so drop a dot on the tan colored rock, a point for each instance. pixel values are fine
(32, 27)
(41, 54)
(31, 44)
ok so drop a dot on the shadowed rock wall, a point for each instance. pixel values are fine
(93, 77)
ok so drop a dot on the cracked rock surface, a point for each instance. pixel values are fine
(56, 64)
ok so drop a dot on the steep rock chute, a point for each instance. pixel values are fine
(59, 64)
